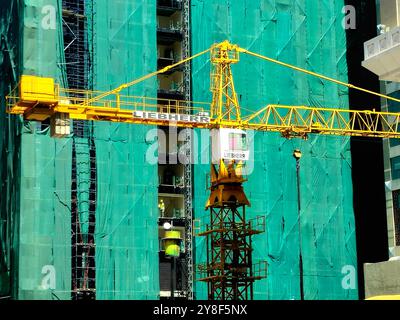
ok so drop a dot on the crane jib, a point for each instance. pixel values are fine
(171, 117)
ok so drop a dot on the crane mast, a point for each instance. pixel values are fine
(229, 271)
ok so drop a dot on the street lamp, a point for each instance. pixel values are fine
(297, 155)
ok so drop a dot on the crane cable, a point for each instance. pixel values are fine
(147, 76)
(286, 65)
(314, 74)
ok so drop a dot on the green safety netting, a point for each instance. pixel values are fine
(40, 241)
(37, 211)
(309, 34)
(127, 213)
(37, 206)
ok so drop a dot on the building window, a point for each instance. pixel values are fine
(395, 162)
(394, 142)
(396, 216)
(394, 106)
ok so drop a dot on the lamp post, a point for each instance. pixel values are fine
(297, 155)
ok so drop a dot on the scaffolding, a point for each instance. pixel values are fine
(188, 176)
(170, 31)
(78, 50)
(83, 209)
(77, 18)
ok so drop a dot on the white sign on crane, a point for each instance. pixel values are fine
(229, 144)
(171, 117)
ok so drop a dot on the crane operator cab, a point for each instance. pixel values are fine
(229, 144)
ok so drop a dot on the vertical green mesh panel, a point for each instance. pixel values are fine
(309, 34)
(126, 228)
(303, 32)
(126, 216)
(45, 233)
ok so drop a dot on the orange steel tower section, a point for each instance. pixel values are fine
(230, 273)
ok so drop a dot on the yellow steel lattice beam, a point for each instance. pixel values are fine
(301, 120)
(39, 99)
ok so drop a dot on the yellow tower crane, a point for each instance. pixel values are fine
(229, 271)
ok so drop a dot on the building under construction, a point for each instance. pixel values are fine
(86, 216)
